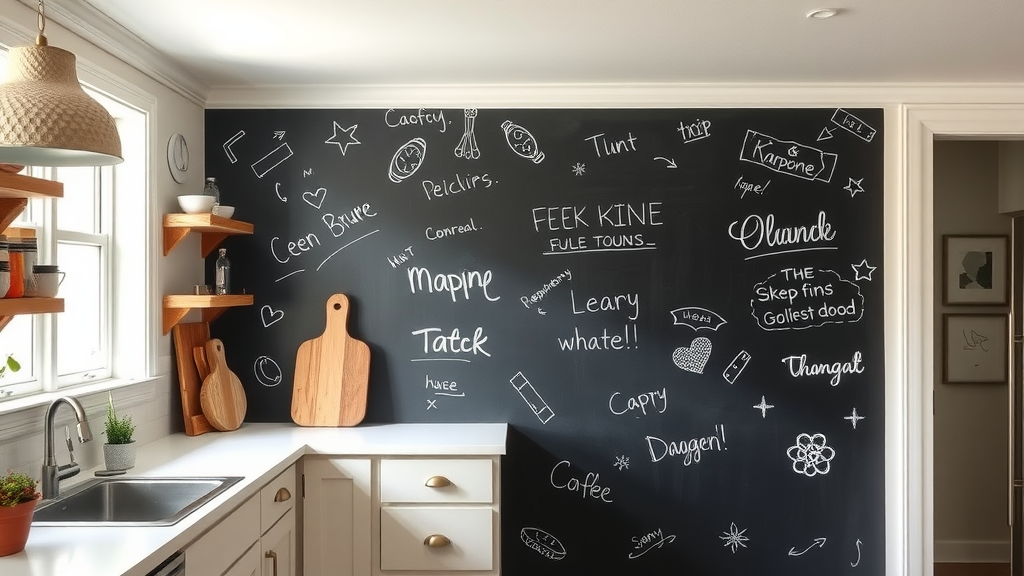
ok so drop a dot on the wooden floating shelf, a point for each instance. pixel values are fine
(213, 229)
(10, 307)
(176, 306)
(15, 190)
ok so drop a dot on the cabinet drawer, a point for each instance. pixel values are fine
(276, 498)
(406, 480)
(404, 529)
(248, 565)
(225, 542)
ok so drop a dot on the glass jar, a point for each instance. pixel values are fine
(17, 264)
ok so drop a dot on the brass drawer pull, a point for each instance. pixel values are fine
(273, 556)
(436, 541)
(438, 482)
(283, 495)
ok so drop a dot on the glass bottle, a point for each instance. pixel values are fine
(223, 273)
(211, 189)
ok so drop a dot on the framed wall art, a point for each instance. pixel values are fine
(976, 270)
(976, 348)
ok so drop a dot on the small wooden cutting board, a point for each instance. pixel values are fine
(332, 372)
(222, 395)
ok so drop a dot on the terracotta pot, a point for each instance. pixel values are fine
(119, 456)
(15, 522)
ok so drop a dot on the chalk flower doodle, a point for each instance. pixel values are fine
(622, 462)
(734, 538)
(811, 456)
(545, 544)
(579, 169)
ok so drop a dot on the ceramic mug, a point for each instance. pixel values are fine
(47, 279)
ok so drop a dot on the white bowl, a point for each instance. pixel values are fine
(224, 211)
(196, 203)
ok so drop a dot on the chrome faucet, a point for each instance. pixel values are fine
(52, 473)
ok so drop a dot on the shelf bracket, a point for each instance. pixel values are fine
(172, 316)
(172, 236)
(210, 241)
(11, 208)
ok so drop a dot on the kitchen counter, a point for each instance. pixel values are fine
(256, 451)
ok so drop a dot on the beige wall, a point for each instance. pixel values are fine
(971, 427)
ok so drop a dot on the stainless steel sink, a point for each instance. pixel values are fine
(130, 501)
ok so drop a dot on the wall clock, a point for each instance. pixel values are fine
(177, 157)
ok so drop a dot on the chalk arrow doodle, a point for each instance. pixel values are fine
(277, 190)
(343, 137)
(279, 134)
(670, 163)
(825, 134)
(855, 564)
(819, 542)
(697, 318)
(227, 146)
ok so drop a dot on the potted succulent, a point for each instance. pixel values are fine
(18, 498)
(119, 451)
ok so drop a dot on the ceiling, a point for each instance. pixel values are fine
(252, 43)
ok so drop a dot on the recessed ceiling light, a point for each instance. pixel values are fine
(822, 13)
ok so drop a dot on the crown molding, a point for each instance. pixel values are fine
(84, 20)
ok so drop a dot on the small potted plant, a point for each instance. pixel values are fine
(119, 451)
(18, 498)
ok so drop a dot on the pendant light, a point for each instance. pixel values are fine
(46, 119)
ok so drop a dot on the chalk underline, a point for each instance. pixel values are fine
(343, 247)
(791, 251)
(600, 250)
(440, 360)
(290, 274)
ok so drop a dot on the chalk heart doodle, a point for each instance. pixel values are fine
(315, 199)
(543, 543)
(270, 316)
(811, 455)
(800, 298)
(693, 358)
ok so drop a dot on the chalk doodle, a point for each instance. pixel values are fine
(819, 542)
(669, 162)
(543, 543)
(277, 190)
(863, 271)
(854, 187)
(853, 125)
(315, 199)
(267, 372)
(579, 169)
(788, 157)
(764, 407)
(407, 160)
(279, 134)
(431, 404)
(227, 146)
(825, 134)
(697, 318)
(693, 358)
(800, 298)
(853, 418)
(855, 564)
(273, 158)
(292, 273)
(343, 137)
(653, 539)
(522, 142)
(734, 538)
(733, 370)
(622, 462)
(811, 455)
(532, 398)
(467, 148)
(270, 316)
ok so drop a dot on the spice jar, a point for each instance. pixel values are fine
(17, 264)
(30, 250)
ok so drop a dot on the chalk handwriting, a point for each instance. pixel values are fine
(744, 187)
(532, 398)
(400, 258)
(691, 449)
(420, 117)
(618, 215)
(522, 142)
(270, 316)
(697, 318)
(853, 125)
(612, 146)
(539, 295)
(609, 303)
(443, 387)
(755, 230)
(811, 455)
(799, 367)
(343, 137)
(543, 543)
(296, 247)
(694, 131)
(788, 157)
(694, 357)
(339, 223)
(461, 183)
(438, 233)
(734, 538)
(453, 343)
(604, 341)
(587, 488)
(264, 165)
(656, 400)
(647, 542)
(267, 372)
(230, 141)
(799, 298)
(307, 172)
(732, 371)
(452, 283)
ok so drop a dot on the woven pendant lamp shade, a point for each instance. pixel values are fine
(46, 119)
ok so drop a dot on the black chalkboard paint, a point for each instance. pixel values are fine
(678, 311)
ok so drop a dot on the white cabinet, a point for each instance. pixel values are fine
(227, 542)
(277, 525)
(336, 516)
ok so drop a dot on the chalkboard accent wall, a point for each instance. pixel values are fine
(678, 311)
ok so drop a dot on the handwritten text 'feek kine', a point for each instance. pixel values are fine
(614, 216)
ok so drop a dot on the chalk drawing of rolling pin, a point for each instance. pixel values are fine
(522, 142)
(467, 147)
(536, 403)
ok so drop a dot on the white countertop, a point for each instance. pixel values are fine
(259, 452)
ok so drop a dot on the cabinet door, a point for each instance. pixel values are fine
(247, 565)
(279, 554)
(336, 517)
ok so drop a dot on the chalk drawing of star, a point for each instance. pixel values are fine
(349, 138)
(734, 538)
(579, 169)
(622, 462)
(853, 418)
(854, 186)
(763, 407)
(863, 270)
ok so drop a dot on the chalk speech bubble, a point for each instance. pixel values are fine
(697, 318)
(792, 302)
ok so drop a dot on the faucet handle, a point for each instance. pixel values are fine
(71, 447)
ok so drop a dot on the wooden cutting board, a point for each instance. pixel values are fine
(188, 336)
(331, 373)
(222, 395)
